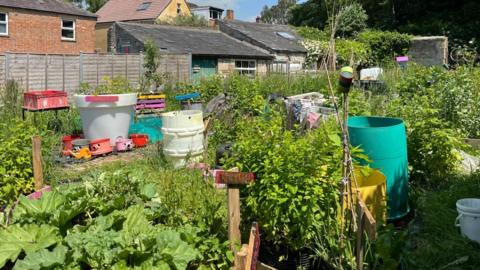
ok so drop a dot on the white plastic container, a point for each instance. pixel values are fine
(183, 136)
(106, 116)
(469, 218)
(370, 74)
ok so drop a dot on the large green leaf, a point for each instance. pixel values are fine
(174, 250)
(30, 238)
(42, 259)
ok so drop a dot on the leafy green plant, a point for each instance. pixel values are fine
(385, 45)
(109, 86)
(152, 79)
(11, 99)
(295, 193)
(16, 172)
(352, 20)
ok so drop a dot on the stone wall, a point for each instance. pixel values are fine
(429, 51)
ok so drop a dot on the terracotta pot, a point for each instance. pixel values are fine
(101, 147)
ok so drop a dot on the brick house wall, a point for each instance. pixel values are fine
(40, 32)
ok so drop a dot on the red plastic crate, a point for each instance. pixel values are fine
(44, 100)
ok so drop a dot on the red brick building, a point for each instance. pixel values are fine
(45, 26)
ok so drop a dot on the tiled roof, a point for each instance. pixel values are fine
(197, 41)
(127, 10)
(267, 36)
(55, 6)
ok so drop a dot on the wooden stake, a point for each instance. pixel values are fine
(37, 162)
(234, 217)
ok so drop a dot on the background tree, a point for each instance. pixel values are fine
(352, 20)
(279, 13)
(90, 5)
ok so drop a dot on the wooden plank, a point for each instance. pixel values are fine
(262, 266)
(360, 237)
(370, 225)
(253, 248)
(234, 217)
(235, 178)
(240, 258)
(37, 162)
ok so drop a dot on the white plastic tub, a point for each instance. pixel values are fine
(469, 218)
(106, 116)
(183, 136)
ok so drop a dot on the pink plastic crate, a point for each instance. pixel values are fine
(44, 100)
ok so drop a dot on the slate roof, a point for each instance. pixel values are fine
(54, 6)
(197, 41)
(266, 35)
(126, 10)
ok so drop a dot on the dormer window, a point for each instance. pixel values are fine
(179, 8)
(215, 14)
(144, 6)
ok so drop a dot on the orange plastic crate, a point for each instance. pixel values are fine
(45, 100)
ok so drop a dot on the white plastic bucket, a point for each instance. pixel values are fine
(106, 116)
(469, 218)
(183, 136)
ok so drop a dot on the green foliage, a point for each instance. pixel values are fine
(384, 45)
(279, 13)
(29, 239)
(108, 86)
(11, 99)
(295, 193)
(186, 20)
(117, 220)
(152, 79)
(16, 175)
(432, 232)
(312, 33)
(352, 20)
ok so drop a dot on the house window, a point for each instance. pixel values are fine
(68, 30)
(179, 8)
(246, 67)
(214, 15)
(144, 6)
(3, 24)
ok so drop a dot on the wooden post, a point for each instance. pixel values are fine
(234, 180)
(37, 162)
(367, 223)
(234, 235)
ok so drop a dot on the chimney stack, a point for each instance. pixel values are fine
(258, 19)
(230, 15)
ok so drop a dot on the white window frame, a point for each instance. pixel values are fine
(68, 28)
(5, 23)
(241, 69)
(179, 8)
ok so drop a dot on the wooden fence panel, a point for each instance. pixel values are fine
(69, 72)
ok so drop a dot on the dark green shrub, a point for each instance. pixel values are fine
(385, 45)
(353, 19)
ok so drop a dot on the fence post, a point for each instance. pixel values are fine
(80, 70)
(46, 71)
(96, 60)
(140, 68)
(28, 72)
(111, 63)
(6, 67)
(37, 162)
(178, 69)
(63, 73)
(126, 66)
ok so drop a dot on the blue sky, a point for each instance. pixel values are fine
(246, 10)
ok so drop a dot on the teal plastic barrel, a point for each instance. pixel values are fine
(148, 124)
(384, 141)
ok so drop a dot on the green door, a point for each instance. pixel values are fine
(203, 67)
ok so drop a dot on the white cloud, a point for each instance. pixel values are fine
(225, 4)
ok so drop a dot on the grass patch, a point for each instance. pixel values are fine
(434, 241)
